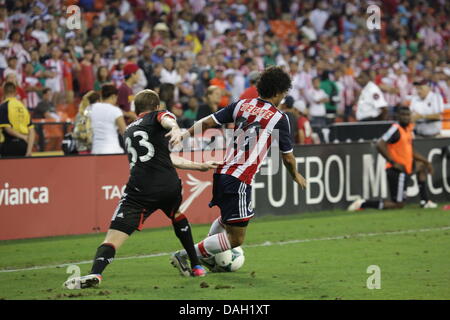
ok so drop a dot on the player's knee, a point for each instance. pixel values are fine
(236, 240)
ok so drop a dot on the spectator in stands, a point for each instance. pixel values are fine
(82, 132)
(32, 87)
(46, 108)
(427, 107)
(317, 98)
(330, 36)
(153, 82)
(177, 110)
(251, 92)
(107, 121)
(167, 95)
(190, 115)
(332, 91)
(56, 82)
(201, 84)
(102, 78)
(219, 81)
(86, 73)
(158, 54)
(145, 62)
(287, 106)
(13, 68)
(212, 100)
(169, 73)
(305, 133)
(371, 104)
(126, 96)
(15, 122)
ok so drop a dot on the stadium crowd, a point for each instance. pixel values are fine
(200, 55)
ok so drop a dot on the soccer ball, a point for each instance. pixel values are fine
(230, 260)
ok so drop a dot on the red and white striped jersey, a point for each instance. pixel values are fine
(256, 123)
(349, 87)
(57, 82)
(32, 96)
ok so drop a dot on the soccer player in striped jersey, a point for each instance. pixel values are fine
(256, 122)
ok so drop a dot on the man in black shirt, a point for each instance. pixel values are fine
(212, 100)
(153, 185)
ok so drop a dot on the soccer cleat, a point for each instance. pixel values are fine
(428, 205)
(181, 263)
(198, 271)
(209, 262)
(89, 281)
(356, 205)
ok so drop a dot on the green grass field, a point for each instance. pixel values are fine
(306, 256)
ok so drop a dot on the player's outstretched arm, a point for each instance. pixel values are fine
(171, 124)
(200, 126)
(290, 163)
(182, 163)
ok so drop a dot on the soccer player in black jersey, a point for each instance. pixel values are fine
(153, 184)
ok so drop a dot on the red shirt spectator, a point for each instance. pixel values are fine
(219, 81)
(304, 130)
(249, 93)
(87, 75)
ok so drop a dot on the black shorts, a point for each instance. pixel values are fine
(233, 197)
(134, 208)
(398, 182)
(13, 148)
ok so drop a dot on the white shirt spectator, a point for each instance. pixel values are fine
(221, 25)
(170, 76)
(309, 33)
(432, 104)
(297, 85)
(142, 82)
(105, 135)
(317, 108)
(318, 18)
(41, 36)
(57, 82)
(16, 72)
(370, 102)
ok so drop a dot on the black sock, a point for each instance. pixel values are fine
(423, 191)
(183, 232)
(104, 256)
(375, 204)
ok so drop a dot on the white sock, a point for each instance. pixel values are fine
(213, 244)
(216, 227)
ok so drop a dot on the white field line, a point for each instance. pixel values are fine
(264, 244)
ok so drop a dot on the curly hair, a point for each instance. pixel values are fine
(273, 81)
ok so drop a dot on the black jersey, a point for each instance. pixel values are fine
(151, 169)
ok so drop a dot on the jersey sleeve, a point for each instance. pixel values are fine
(285, 138)
(439, 104)
(224, 115)
(392, 135)
(4, 120)
(165, 113)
